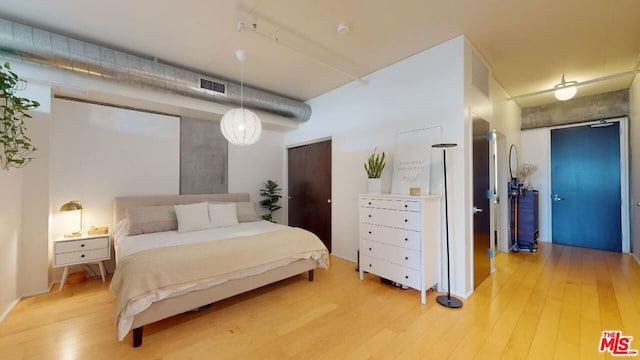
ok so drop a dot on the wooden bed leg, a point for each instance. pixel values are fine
(310, 275)
(137, 337)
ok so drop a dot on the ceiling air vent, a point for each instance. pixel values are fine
(213, 86)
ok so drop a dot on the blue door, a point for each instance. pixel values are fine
(585, 187)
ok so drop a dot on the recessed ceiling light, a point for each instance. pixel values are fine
(342, 28)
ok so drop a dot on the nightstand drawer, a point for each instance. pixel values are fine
(81, 245)
(78, 257)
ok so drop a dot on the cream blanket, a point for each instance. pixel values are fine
(152, 271)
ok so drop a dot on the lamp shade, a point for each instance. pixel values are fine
(566, 89)
(565, 93)
(241, 126)
(71, 205)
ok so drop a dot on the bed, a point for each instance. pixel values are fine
(160, 274)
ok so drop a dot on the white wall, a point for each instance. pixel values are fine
(33, 269)
(34, 246)
(536, 150)
(634, 164)
(251, 166)
(421, 91)
(10, 236)
(100, 152)
(506, 121)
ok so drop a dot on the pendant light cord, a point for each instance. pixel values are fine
(241, 84)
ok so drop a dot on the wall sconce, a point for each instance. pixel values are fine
(72, 206)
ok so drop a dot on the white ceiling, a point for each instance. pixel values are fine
(529, 44)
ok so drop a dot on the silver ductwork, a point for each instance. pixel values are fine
(28, 44)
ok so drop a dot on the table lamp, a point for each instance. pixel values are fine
(72, 206)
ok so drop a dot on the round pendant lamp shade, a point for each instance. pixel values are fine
(565, 90)
(241, 126)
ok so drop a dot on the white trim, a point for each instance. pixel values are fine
(624, 177)
(8, 310)
(40, 292)
(309, 142)
(635, 257)
(624, 185)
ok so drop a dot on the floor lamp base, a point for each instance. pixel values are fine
(449, 301)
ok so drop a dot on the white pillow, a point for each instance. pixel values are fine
(223, 215)
(192, 217)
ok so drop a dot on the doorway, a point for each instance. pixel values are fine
(481, 207)
(309, 184)
(586, 186)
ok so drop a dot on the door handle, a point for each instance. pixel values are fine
(328, 201)
(477, 210)
(556, 197)
(638, 204)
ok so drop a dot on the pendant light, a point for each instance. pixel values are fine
(566, 89)
(241, 126)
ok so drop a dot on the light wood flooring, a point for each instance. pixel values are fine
(551, 304)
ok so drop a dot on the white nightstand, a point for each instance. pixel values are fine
(81, 250)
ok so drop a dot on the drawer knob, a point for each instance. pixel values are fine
(369, 265)
(369, 232)
(405, 205)
(406, 276)
(405, 220)
(82, 255)
(369, 215)
(406, 258)
(406, 239)
(81, 245)
(369, 202)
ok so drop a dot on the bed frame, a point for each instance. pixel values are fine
(177, 305)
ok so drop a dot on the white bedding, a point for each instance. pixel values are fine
(127, 245)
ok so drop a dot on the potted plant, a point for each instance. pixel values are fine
(374, 166)
(15, 146)
(271, 193)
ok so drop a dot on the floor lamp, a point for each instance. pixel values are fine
(447, 300)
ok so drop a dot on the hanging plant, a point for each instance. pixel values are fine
(15, 146)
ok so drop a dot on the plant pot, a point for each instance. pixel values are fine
(374, 186)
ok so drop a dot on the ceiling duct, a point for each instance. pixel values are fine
(32, 45)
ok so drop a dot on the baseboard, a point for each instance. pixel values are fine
(635, 256)
(39, 292)
(8, 310)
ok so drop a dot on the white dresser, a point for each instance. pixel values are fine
(400, 239)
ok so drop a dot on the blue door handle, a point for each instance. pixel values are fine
(555, 197)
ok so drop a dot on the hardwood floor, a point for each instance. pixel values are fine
(551, 304)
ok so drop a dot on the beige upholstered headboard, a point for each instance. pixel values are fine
(120, 204)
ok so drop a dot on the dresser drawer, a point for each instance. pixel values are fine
(397, 255)
(394, 272)
(392, 218)
(398, 237)
(78, 257)
(81, 245)
(392, 204)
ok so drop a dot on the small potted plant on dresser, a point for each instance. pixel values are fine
(374, 166)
